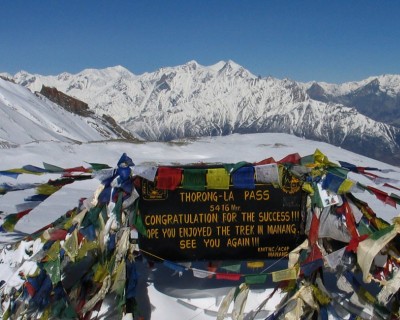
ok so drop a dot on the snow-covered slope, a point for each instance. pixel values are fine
(191, 100)
(229, 149)
(26, 117)
(376, 97)
(389, 83)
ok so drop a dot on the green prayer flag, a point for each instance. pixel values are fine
(52, 168)
(98, 166)
(307, 160)
(338, 171)
(256, 278)
(118, 206)
(92, 217)
(52, 268)
(233, 267)
(194, 179)
(232, 167)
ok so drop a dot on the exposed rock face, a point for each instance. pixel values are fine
(67, 102)
(81, 108)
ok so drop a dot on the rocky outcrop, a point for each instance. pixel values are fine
(81, 108)
(67, 102)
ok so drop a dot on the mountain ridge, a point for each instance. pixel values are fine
(192, 100)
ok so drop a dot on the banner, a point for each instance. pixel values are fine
(221, 224)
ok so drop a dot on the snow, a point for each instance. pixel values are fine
(196, 100)
(27, 118)
(389, 83)
(64, 153)
(229, 149)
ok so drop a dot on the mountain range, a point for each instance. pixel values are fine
(192, 100)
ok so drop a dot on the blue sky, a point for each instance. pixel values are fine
(332, 41)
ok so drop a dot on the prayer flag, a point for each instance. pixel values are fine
(291, 158)
(34, 169)
(226, 302)
(147, 172)
(255, 278)
(168, 178)
(228, 276)
(240, 302)
(202, 273)
(52, 168)
(369, 248)
(98, 166)
(243, 178)
(282, 275)
(174, 266)
(267, 173)
(10, 174)
(233, 267)
(232, 167)
(265, 161)
(194, 179)
(332, 182)
(217, 179)
(346, 186)
(255, 264)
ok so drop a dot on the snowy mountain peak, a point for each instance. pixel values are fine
(191, 100)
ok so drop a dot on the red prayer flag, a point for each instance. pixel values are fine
(77, 169)
(291, 158)
(314, 227)
(228, 276)
(265, 161)
(168, 178)
(383, 196)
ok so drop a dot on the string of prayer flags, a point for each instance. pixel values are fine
(218, 178)
(168, 178)
(194, 179)
(89, 239)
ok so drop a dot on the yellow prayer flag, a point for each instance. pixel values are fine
(287, 274)
(218, 178)
(47, 189)
(307, 187)
(255, 264)
(71, 245)
(345, 187)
